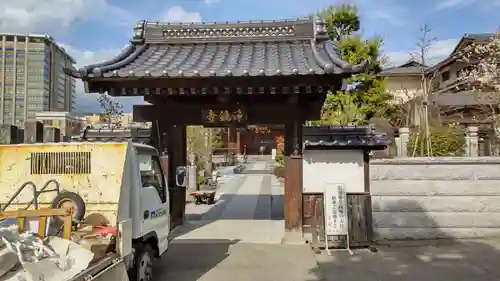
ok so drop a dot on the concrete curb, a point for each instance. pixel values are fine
(238, 169)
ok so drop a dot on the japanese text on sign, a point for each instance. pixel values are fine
(336, 221)
(224, 116)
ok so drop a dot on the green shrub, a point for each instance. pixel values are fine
(446, 140)
(279, 171)
(200, 180)
(280, 159)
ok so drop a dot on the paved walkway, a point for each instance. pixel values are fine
(223, 260)
(249, 208)
(238, 238)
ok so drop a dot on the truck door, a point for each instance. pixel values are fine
(154, 200)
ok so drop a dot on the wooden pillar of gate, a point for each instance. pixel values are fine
(293, 176)
(238, 142)
(232, 139)
(176, 149)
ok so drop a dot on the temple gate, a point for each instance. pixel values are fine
(228, 74)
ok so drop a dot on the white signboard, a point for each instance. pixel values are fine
(335, 198)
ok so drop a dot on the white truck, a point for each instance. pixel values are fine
(121, 183)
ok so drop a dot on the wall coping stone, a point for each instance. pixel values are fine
(437, 160)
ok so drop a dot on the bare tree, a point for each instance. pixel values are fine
(112, 110)
(424, 44)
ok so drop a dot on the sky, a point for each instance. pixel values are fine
(96, 30)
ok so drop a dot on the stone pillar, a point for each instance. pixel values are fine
(472, 141)
(404, 138)
(192, 173)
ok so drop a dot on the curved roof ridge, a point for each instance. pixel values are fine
(300, 47)
(287, 20)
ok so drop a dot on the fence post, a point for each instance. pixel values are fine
(404, 137)
(472, 141)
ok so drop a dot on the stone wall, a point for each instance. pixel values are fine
(422, 198)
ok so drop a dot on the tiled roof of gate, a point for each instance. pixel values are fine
(287, 47)
(344, 137)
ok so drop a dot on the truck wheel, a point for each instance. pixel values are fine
(143, 263)
(71, 201)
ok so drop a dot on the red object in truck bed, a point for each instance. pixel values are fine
(105, 230)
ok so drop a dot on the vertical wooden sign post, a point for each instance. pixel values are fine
(336, 219)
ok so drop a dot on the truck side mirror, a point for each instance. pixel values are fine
(180, 176)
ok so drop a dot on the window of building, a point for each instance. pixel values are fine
(445, 76)
(36, 40)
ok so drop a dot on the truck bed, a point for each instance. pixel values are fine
(111, 267)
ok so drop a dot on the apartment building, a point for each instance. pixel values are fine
(32, 78)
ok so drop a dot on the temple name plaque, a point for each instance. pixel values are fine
(224, 116)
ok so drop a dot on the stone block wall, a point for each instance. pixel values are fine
(429, 198)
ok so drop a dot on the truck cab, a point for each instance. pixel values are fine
(150, 237)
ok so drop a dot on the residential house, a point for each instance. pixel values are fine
(404, 82)
(449, 99)
(457, 103)
(448, 89)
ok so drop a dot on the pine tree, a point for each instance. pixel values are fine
(369, 98)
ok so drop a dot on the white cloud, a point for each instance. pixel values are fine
(453, 4)
(389, 11)
(86, 101)
(447, 4)
(437, 52)
(178, 14)
(25, 16)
